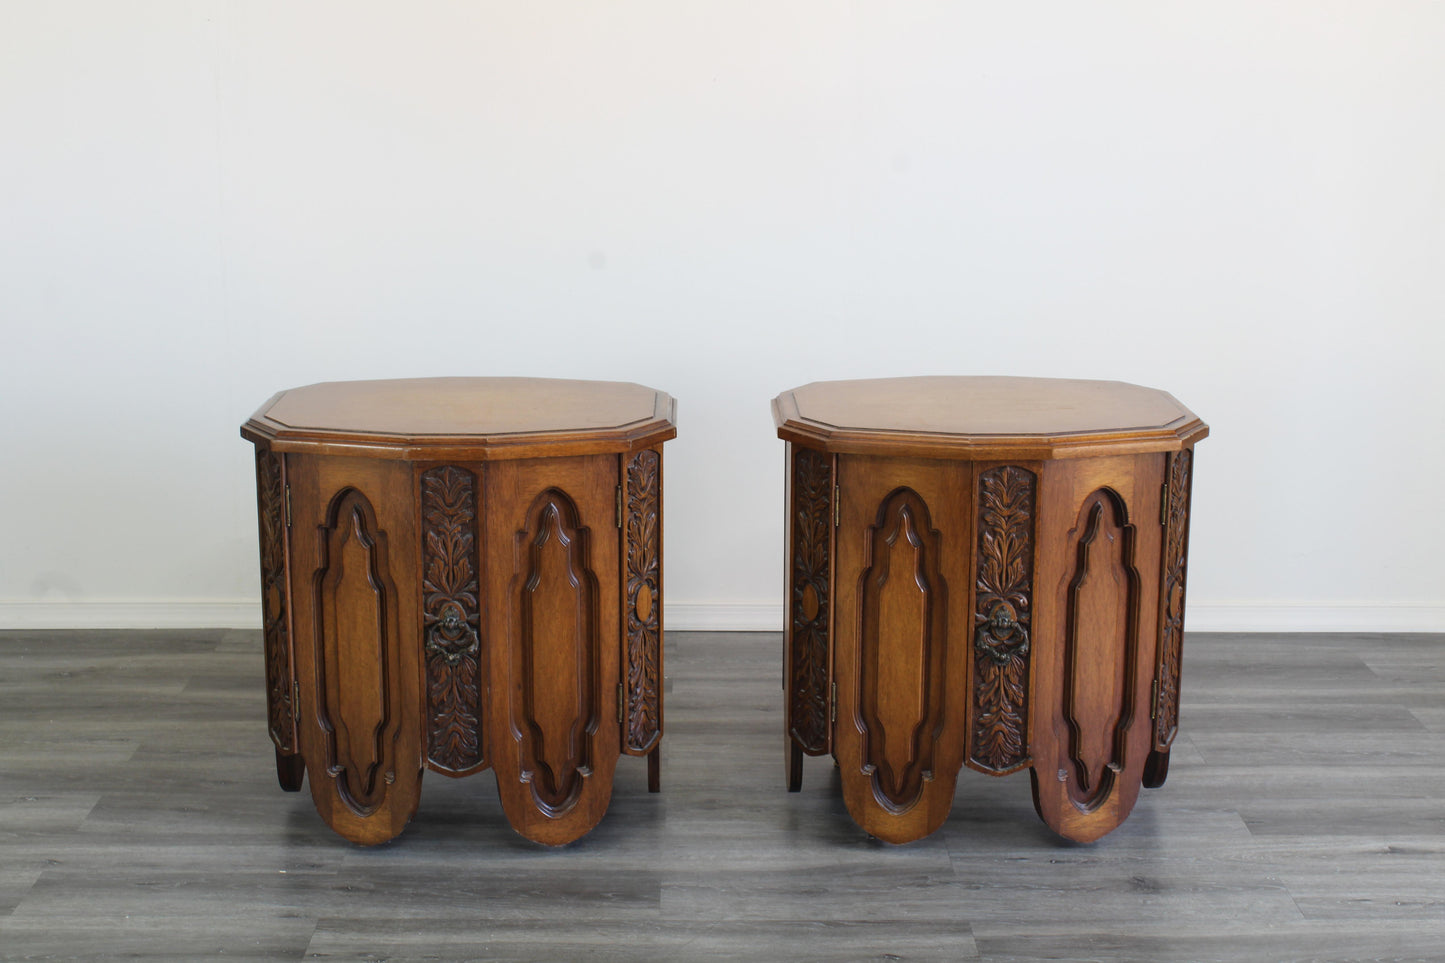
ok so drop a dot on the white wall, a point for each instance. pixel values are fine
(204, 202)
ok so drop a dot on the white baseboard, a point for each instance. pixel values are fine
(1314, 617)
(132, 614)
(1201, 617)
(246, 614)
(725, 616)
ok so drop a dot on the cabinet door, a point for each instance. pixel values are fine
(353, 540)
(553, 640)
(1095, 630)
(903, 630)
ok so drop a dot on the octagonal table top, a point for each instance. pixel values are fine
(985, 417)
(464, 418)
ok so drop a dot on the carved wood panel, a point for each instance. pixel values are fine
(1101, 649)
(1095, 629)
(1002, 620)
(811, 527)
(275, 612)
(557, 638)
(451, 620)
(903, 632)
(643, 604)
(1171, 625)
(356, 641)
(904, 546)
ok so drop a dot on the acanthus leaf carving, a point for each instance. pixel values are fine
(451, 619)
(276, 622)
(644, 601)
(1171, 633)
(1002, 617)
(812, 520)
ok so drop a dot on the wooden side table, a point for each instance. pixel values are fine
(985, 572)
(461, 574)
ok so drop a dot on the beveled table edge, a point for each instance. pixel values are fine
(493, 446)
(792, 426)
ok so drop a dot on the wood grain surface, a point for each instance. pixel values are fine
(898, 658)
(460, 616)
(1067, 680)
(553, 706)
(139, 818)
(983, 417)
(464, 419)
(357, 676)
(1095, 645)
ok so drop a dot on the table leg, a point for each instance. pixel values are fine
(795, 767)
(1094, 644)
(290, 771)
(654, 770)
(1156, 769)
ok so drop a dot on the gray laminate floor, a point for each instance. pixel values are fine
(1304, 819)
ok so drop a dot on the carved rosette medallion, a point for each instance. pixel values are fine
(644, 602)
(451, 619)
(275, 620)
(1002, 617)
(1171, 630)
(812, 520)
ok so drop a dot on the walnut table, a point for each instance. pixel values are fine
(462, 573)
(985, 572)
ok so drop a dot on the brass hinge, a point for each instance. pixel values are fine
(619, 506)
(1154, 701)
(288, 506)
(833, 705)
(621, 698)
(296, 702)
(1164, 504)
(837, 506)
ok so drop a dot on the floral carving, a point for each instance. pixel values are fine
(1002, 614)
(644, 602)
(812, 520)
(1171, 630)
(275, 620)
(451, 619)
